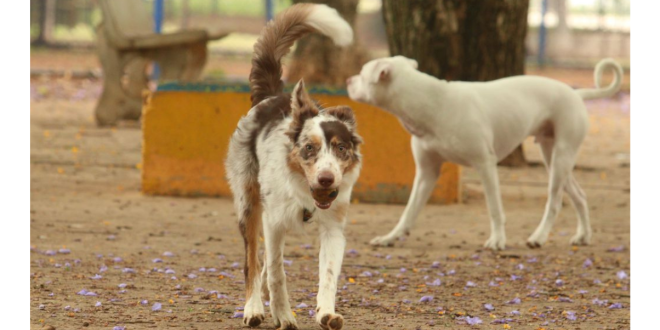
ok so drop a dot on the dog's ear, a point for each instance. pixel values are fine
(414, 63)
(343, 113)
(302, 108)
(381, 72)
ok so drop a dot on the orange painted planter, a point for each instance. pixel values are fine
(187, 128)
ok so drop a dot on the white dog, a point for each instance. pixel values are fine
(292, 162)
(478, 124)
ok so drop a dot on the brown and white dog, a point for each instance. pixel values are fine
(290, 162)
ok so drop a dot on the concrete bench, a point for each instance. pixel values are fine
(126, 44)
(187, 127)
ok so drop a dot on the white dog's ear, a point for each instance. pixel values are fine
(413, 63)
(381, 72)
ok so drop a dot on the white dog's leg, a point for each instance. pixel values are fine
(576, 194)
(330, 259)
(426, 175)
(264, 281)
(279, 297)
(491, 183)
(561, 164)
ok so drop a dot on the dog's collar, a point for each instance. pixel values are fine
(307, 214)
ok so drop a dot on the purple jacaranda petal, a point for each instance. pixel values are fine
(597, 281)
(302, 305)
(202, 270)
(380, 280)
(426, 299)
(173, 278)
(492, 283)
(122, 291)
(615, 306)
(403, 287)
(50, 252)
(514, 301)
(403, 270)
(222, 296)
(157, 260)
(501, 321)
(489, 307)
(367, 273)
(306, 246)
(559, 282)
(211, 270)
(619, 248)
(238, 315)
(435, 282)
(156, 307)
(199, 290)
(117, 259)
(287, 262)
(435, 264)
(520, 267)
(599, 302)
(226, 274)
(96, 277)
(128, 270)
(122, 285)
(352, 253)
(312, 313)
(621, 275)
(103, 268)
(99, 256)
(470, 284)
(82, 292)
(565, 299)
(144, 302)
(587, 263)
(235, 265)
(583, 291)
(388, 257)
(51, 294)
(451, 272)
(515, 277)
(64, 251)
(168, 254)
(532, 260)
(191, 276)
(111, 237)
(91, 294)
(98, 304)
(42, 307)
(514, 312)
(58, 265)
(266, 303)
(406, 301)
(473, 320)
(570, 315)
(170, 271)
(67, 307)
(119, 328)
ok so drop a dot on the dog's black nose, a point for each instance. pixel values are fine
(326, 179)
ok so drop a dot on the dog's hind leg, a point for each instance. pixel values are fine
(250, 226)
(561, 162)
(280, 308)
(426, 175)
(491, 182)
(333, 243)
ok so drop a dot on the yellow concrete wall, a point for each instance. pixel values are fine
(186, 136)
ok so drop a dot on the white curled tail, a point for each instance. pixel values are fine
(600, 92)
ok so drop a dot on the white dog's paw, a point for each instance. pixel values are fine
(387, 240)
(581, 238)
(330, 321)
(537, 240)
(496, 242)
(253, 313)
(285, 320)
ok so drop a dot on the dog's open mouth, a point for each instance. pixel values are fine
(323, 198)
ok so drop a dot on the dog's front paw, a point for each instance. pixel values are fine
(286, 321)
(331, 321)
(386, 240)
(496, 242)
(253, 320)
(581, 239)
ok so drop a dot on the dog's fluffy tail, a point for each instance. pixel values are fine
(599, 91)
(279, 35)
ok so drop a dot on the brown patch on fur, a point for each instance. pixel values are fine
(250, 226)
(300, 158)
(338, 135)
(268, 114)
(274, 42)
(303, 108)
(343, 113)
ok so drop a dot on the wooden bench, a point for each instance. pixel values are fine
(126, 45)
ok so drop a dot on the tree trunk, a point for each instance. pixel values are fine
(185, 14)
(466, 40)
(319, 61)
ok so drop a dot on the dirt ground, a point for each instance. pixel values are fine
(92, 230)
